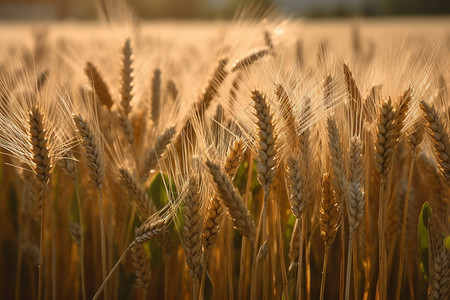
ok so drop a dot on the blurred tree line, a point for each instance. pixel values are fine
(184, 9)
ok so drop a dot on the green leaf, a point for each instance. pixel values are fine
(157, 190)
(424, 217)
(447, 243)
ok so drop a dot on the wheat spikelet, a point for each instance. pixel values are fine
(356, 200)
(137, 193)
(287, 111)
(141, 264)
(216, 212)
(41, 79)
(416, 135)
(38, 136)
(126, 77)
(266, 152)
(329, 214)
(295, 179)
(127, 127)
(156, 95)
(100, 87)
(68, 166)
(172, 90)
(438, 133)
(386, 140)
(248, 60)
(268, 39)
(199, 108)
(92, 151)
(234, 157)
(232, 200)
(211, 90)
(439, 280)
(192, 217)
(338, 174)
(149, 230)
(402, 111)
(152, 156)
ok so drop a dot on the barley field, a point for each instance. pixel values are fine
(258, 158)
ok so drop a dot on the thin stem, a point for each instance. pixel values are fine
(355, 269)
(342, 265)
(300, 258)
(324, 271)
(42, 251)
(229, 258)
(281, 251)
(349, 264)
(202, 280)
(100, 289)
(308, 263)
(255, 261)
(242, 293)
(102, 238)
(405, 217)
(381, 238)
(81, 221)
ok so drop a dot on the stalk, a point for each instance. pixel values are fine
(81, 220)
(41, 251)
(300, 259)
(242, 294)
(281, 251)
(102, 286)
(381, 239)
(103, 240)
(403, 237)
(349, 264)
(324, 271)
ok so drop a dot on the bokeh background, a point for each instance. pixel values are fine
(210, 9)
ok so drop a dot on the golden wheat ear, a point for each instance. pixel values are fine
(231, 198)
(100, 87)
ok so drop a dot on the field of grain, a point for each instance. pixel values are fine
(259, 158)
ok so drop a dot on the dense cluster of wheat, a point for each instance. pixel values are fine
(253, 163)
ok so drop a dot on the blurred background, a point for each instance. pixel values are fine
(210, 9)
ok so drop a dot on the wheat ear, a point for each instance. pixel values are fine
(246, 61)
(100, 87)
(154, 154)
(137, 192)
(232, 200)
(94, 159)
(415, 138)
(156, 95)
(355, 200)
(141, 264)
(192, 229)
(126, 77)
(41, 169)
(439, 280)
(93, 154)
(329, 221)
(439, 135)
(216, 212)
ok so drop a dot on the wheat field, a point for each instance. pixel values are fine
(258, 158)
